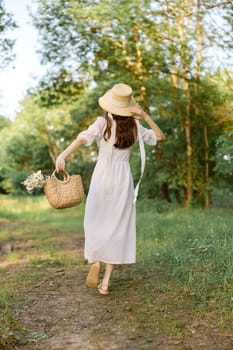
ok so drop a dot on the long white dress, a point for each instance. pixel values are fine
(110, 216)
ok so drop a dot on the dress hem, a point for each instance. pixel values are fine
(90, 261)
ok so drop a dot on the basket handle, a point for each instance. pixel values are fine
(65, 174)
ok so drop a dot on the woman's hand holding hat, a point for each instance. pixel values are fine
(138, 113)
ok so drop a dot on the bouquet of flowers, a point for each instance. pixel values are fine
(35, 180)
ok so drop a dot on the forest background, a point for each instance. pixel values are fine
(176, 55)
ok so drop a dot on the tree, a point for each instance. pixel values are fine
(34, 139)
(6, 44)
(4, 122)
(161, 48)
(4, 125)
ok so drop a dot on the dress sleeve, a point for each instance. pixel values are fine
(94, 132)
(148, 136)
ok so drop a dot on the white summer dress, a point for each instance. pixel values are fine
(110, 216)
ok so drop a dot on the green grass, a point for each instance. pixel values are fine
(192, 248)
(33, 209)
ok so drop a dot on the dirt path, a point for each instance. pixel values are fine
(60, 313)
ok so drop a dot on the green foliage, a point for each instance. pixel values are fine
(224, 155)
(160, 48)
(4, 122)
(151, 46)
(33, 141)
(23, 155)
(6, 44)
(57, 90)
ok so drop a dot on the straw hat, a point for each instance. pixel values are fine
(118, 100)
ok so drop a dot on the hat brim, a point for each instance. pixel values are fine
(106, 105)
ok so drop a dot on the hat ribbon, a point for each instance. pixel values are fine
(143, 160)
(120, 103)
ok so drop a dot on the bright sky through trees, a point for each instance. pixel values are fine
(25, 70)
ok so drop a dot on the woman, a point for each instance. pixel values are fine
(110, 218)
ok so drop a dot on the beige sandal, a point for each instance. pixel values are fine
(93, 276)
(101, 290)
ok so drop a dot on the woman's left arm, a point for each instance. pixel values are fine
(60, 161)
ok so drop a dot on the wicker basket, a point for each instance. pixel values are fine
(64, 193)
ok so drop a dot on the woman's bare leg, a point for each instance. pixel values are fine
(107, 276)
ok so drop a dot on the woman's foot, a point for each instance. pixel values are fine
(93, 276)
(104, 285)
(103, 289)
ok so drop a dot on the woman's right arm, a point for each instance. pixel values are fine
(158, 132)
(60, 161)
(138, 113)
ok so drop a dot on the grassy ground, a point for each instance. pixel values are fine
(195, 249)
(184, 257)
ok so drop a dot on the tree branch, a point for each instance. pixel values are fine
(209, 7)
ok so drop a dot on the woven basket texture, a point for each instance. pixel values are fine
(64, 193)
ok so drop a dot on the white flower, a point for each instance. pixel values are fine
(35, 180)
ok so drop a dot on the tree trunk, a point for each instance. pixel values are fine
(204, 191)
(186, 88)
(174, 77)
(165, 192)
(207, 182)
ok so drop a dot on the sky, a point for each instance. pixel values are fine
(25, 71)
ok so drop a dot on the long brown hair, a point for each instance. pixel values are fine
(126, 130)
